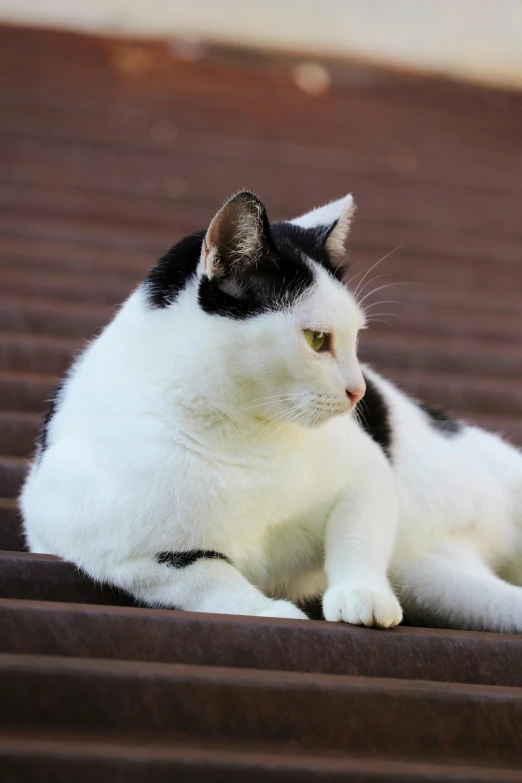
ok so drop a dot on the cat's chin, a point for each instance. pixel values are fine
(315, 422)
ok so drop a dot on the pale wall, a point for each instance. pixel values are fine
(479, 40)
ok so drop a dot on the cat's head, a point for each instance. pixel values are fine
(280, 323)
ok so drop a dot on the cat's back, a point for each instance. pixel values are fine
(451, 477)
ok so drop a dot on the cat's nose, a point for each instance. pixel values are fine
(356, 393)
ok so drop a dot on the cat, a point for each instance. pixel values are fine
(219, 448)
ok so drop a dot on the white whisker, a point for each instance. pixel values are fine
(270, 419)
(263, 404)
(381, 321)
(381, 287)
(387, 301)
(298, 420)
(392, 315)
(361, 281)
(276, 419)
(370, 281)
(274, 396)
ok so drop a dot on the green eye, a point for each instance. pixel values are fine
(314, 339)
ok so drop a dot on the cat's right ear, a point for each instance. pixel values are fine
(239, 234)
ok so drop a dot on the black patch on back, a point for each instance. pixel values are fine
(374, 417)
(171, 274)
(440, 420)
(184, 559)
(43, 440)
(312, 242)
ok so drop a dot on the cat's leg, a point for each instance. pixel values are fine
(360, 537)
(196, 581)
(451, 587)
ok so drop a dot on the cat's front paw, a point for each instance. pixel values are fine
(283, 609)
(362, 605)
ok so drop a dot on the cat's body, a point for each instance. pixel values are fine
(201, 455)
(459, 490)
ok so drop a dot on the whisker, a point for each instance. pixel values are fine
(277, 418)
(307, 417)
(274, 396)
(393, 315)
(370, 281)
(387, 301)
(263, 404)
(270, 419)
(360, 416)
(382, 321)
(289, 421)
(373, 267)
(360, 272)
(386, 285)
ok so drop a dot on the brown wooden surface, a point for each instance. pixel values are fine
(109, 152)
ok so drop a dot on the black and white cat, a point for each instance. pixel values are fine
(203, 452)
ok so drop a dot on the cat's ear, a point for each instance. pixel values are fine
(239, 234)
(332, 223)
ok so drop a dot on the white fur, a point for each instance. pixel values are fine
(340, 212)
(183, 431)
(460, 522)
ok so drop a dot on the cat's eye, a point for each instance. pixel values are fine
(316, 340)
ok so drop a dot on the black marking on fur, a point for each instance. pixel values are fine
(271, 282)
(43, 438)
(184, 559)
(173, 271)
(312, 242)
(440, 420)
(274, 282)
(374, 417)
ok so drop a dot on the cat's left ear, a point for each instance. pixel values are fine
(332, 223)
(238, 235)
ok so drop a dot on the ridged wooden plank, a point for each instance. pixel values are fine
(62, 759)
(154, 635)
(11, 537)
(43, 577)
(443, 721)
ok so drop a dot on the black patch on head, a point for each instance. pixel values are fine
(374, 417)
(245, 287)
(184, 559)
(440, 420)
(171, 274)
(255, 270)
(274, 281)
(312, 242)
(54, 401)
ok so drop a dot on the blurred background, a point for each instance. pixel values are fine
(125, 124)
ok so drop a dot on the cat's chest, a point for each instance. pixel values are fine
(292, 490)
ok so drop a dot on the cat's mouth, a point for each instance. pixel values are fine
(324, 411)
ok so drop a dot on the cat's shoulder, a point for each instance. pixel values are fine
(388, 414)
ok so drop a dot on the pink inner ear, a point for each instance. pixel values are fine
(211, 238)
(211, 242)
(206, 259)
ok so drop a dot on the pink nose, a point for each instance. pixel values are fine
(355, 394)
